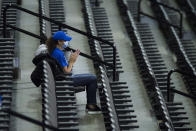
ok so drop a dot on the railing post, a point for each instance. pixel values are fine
(168, 84)
(138, 10)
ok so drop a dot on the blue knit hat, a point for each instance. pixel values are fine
(60, 35)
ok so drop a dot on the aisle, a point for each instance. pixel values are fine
(26, 97)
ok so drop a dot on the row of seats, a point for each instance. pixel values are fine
(109, 116)
(153, 72)
(114, 95)
(104, 31)
(7, 63)
(184, 48)
(6, 79)
(59, 101)
(154, 56)
(59, 107)
(49, 107)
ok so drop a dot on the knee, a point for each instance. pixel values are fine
(93, 78)
(92, 83)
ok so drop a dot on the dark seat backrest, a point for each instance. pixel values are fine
(49, 96)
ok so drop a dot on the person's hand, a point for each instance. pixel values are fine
(73, 57)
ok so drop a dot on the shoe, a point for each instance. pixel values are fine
(94, 110)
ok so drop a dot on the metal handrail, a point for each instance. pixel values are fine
(113, 66)
(68, 48)
(162, 21)
(174, 90)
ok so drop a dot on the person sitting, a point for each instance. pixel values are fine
(55, 45)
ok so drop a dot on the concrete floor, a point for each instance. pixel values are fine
(26, 97)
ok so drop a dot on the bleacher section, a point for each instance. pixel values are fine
(59, 103)
(6, 78)
(114, 96)
(183, 48)
(154, 72)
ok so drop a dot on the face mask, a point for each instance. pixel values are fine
(66, 44)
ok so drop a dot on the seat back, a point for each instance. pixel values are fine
(49, 97)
